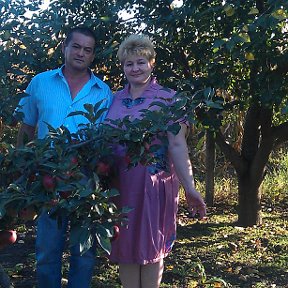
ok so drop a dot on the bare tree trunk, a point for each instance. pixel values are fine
(249, 202)
(210, 168)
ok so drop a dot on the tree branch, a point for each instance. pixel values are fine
(260, 5)
(230, 153)
(183, 59)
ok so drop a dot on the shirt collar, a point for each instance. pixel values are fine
(94, 80)
(153, 86)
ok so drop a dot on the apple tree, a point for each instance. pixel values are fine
(236, 52)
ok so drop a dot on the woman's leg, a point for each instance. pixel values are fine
(130, 275)
(151, 274)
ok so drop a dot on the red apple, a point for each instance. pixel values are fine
(7, 237)
(49, 182)
(74, 160)
(32, 178)
(70, 174)
(116, 232)
(146, 146)
(53, 202)
(64, 194)
(102, 168)
(127, 159)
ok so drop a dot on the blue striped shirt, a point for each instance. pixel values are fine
(49, 101)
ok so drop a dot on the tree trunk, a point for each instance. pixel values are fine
(210, 168)
(249, 202)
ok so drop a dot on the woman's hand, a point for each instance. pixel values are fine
(196, 204)
(180, 157)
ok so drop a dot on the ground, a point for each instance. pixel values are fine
(18, 258)
(204, 254)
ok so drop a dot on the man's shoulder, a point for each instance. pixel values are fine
(100, 82)
(45, 74)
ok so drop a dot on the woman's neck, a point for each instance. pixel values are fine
(136, 91)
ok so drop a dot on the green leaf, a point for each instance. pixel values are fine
(81, 235)
(99, 113)
(103, 236)
(174, 128)
(218, 43)
(85, 192)
(105, 18)
(97, 105)
(253, 11)
(280, 14)
(113, 192)
(156, 103)
(245, 37)
(75, 113)
(126, 209)
(213, 104)
(208, 92)
(229, 10)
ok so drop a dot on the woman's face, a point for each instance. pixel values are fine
(137, 69)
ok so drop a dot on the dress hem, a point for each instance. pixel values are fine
(140, 262)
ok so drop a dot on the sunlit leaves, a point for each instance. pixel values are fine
(229, 10)
(280, 14)
(253, 11)
(249, 56)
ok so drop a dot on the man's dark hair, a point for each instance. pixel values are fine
(83, 30)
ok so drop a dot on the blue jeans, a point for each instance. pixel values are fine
(50, 243)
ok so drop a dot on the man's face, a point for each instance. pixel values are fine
(79, 52)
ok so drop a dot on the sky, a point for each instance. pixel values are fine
(43, 6)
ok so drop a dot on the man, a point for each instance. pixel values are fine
(52, 95)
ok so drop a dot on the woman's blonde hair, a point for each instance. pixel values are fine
(136, 44)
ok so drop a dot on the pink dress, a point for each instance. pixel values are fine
(152, 193)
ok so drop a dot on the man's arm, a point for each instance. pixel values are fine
(26, 133)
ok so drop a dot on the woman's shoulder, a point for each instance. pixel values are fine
(163, 91)
(121, 92)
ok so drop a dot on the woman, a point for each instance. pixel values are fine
(152, 193)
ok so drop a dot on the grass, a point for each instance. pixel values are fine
(215, 253)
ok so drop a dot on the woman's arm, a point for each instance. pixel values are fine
(178, 151)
